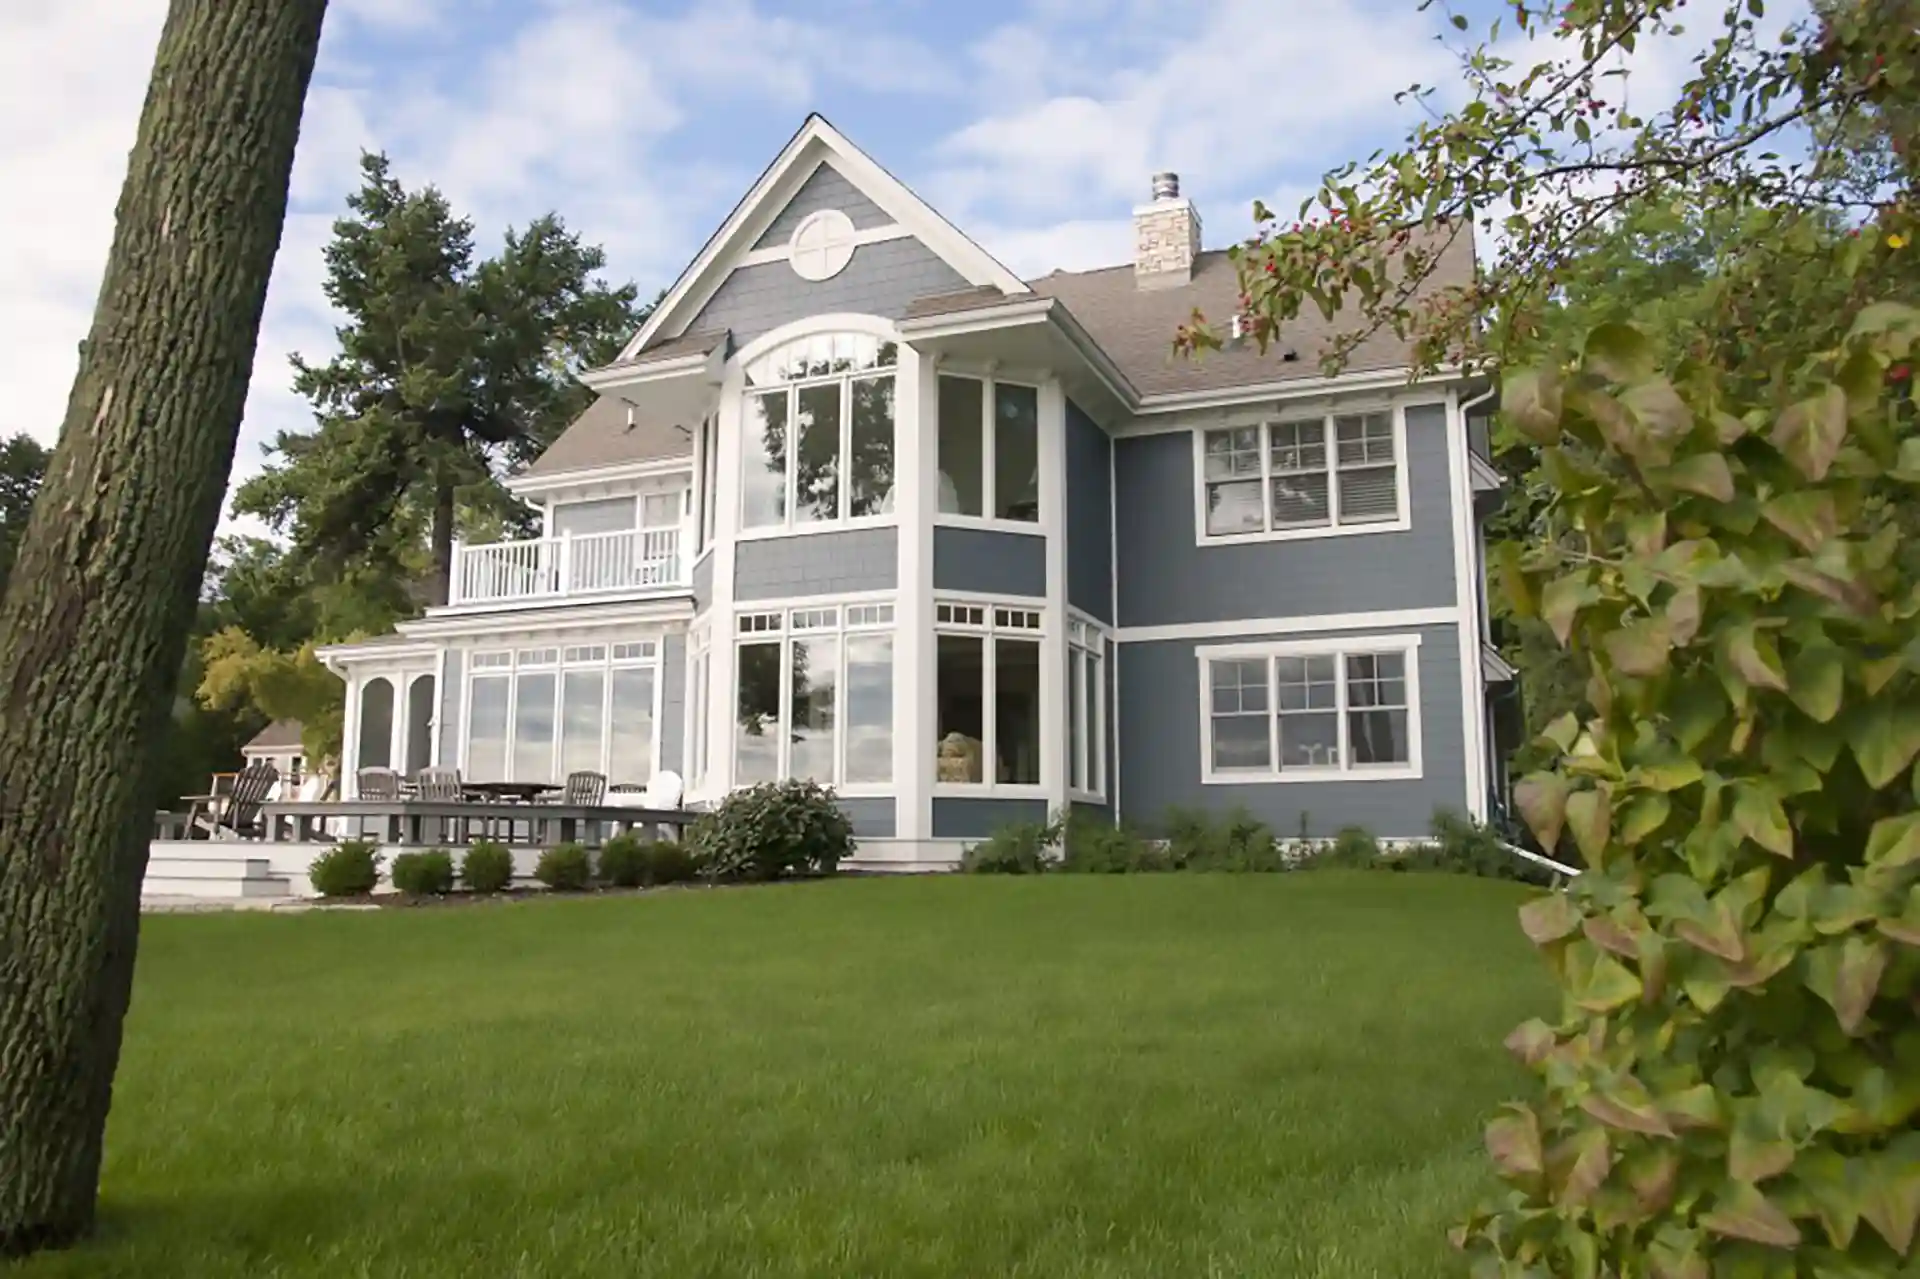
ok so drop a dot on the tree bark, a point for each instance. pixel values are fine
(94, 622)
(442, 540)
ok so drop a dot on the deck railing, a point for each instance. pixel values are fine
(646, 559)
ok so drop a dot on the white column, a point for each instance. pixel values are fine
(350, 738)
(1053, 646)
(1473, 716)
(720, 629)
(916, 487)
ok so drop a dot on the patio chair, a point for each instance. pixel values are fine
(441, 785)
(241, 814)
(378, 783)
(584, 789)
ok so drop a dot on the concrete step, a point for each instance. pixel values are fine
(170, 864)
(226, 887)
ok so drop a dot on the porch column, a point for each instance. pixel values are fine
(915, 486)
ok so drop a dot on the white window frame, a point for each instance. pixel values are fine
(699, 720)
(989, 384)
(1339, 648)
(843, 518)
(784, 624)
(519, 657)
(1088, 645)
(989, 619)
(1294, 532)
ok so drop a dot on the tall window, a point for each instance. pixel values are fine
(1342, 471)
(813, 696)
(817, 432)
(1281, 712)
(987, 695)
(537, 714)
(700, 665)
(989, 449)
(709, 481)
(1086, 708)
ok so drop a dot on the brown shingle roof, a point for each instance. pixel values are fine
(672, 348)
(1135, 326)
(602, 436)
(965, 300)
(281, 735)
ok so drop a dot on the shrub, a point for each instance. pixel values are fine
(350, 868)
(669, 862)
(565, 868)
(487, 868)
(428, 874)
(1095, 847)
(1019, 848)
(770, 830)
(1237, 841)
(623, 862)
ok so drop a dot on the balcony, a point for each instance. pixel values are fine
(553, 569)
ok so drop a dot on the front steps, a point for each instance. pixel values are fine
(220, 878)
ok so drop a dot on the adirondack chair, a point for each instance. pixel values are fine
(378, 783)
(584, 789)
(240, 815)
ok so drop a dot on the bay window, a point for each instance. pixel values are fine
(813, 696)
(1283, 712)
(1299, 475)
(538, 714)
(817, 432)
(1086, 708)
(989, 444)
(987, 694)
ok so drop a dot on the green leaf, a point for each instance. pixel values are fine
(1562, 601)
(1668, 775)
(1531, 1041)
(1895, 842)
(1626, 1105)
(1683, 615)
(1532, 401)
(1829, 1180)
(1885, 736)
(1754, 658)
(1846, 974)
(1548, 918)
(1589, 817)
(1757, 1150)
(1809, 433)
(1697, 1107)
(1816, 679)
(1542, 799)
(1620, 352)
(1641, 648)
(1704, 473)
(1513, 1142)
(1805, 515)
(1587, 1157)
(1743, 1212)
(1562, 732)
(1759, 816)
(1675, 1254)
(1663, 415)
(1606, 985)
(1644, 816)
(1890, 1198)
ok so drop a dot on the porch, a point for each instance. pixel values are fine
(584, 566)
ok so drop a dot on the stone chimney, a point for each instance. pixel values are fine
(1166, 236)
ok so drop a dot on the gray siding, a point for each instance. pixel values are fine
(872, 818)
(979, 818)
(450, 692)
(1089, 516)
(826, 189)
(865, 559)
(973, 559)
(673, 702)
(1160, 751)
(703, 581)
(1165, 579)
(881, 280)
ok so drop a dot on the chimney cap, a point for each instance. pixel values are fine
(1166, 186)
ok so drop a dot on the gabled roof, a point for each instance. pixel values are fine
(612, 433)
(815, 143)
(281, 735)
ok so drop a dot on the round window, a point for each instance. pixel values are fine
(822, 245)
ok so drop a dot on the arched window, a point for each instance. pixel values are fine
(376, 724)
(817, 432)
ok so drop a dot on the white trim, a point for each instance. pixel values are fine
(989, 524)
(815, 143)
(1308, 625)
(998, 316)
(1098, 764)
(1112, 691)
(1295, 388)
(1339, 648)
(990, 383)
(784, 603)
(914, 497)
(604, 667)
(1052, 784)
(648, 611)
(1011, 599)
(1473, 695)
(1328, 418)
(783, 532)
(1050, 444)
(525, 485)
(861, 236)
(702, 367)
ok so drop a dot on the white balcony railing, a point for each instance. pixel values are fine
(646, 559)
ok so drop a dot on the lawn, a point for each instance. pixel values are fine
(1201, 1075)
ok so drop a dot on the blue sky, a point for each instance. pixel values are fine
(1032, 124)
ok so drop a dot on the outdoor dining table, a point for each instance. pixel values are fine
(519, 792)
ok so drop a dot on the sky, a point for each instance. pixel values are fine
(1033, 125)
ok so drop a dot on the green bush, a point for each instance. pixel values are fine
(1096, 847)
(669, 862)
(350, 868)
(428, 874)
(564, 868)
(1020, 848)
(1235, 841)
(624, 862)
(771, 830)
(487, 868)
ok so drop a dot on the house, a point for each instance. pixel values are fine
(859, 504)
(279, 744)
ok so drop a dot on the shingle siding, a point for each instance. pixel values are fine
(826, 189)
(1165, 579)
(816, 564)
(880, 280)
(990, 562)
(1160, 747)
(1089, 516)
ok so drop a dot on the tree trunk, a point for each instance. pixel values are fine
(94, 622)
(442, 539)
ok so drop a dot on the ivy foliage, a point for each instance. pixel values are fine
(1732, 1083)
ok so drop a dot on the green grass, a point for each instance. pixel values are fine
(1061, 1077)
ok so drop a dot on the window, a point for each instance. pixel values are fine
(989, 439)
(813, 696)
(540, 714)
(1301, 474)
(1086, 708)
(701, 666)
(709, 478)
(1291, 711)
(987, 696)
(817, 432)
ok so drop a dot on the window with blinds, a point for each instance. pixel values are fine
(1337, 471)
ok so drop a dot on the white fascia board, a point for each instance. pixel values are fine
(1296, 388)
(538, 485)
(1023, 314)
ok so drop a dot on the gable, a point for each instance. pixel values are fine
(826, 189)
(881, 279)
